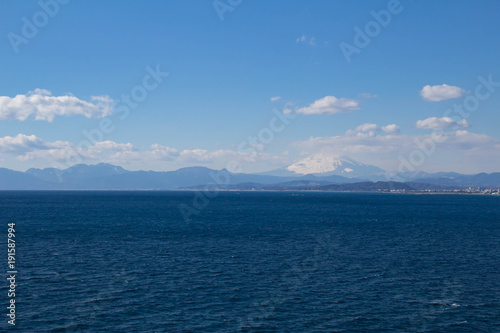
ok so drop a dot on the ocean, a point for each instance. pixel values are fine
(253, 262)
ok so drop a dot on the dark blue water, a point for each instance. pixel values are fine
(254, 262)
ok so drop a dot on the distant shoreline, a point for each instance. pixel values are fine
(257, 191)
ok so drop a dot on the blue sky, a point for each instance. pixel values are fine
(222, 75)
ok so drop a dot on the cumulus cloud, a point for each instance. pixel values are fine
(381, 144)
(468, 141)
(163, 157)
(459, 151)
(329, 105)
(276, 98)
(441, 92)
(356, 142)
(63, 154)
(366, 128)
(22, 143)
(30, 147)
(41, 105)
(364, 139)
(393, 146)
(371, 129)
(164, 153)
(69, 153)
(392, 128)
(435, 123)
(202, 156)
(384, 147)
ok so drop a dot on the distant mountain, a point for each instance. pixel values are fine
(412, 175)
(481, 180)
(322, 165)
(77, 172)
(15, 180)
(107, 176)
(110, 177)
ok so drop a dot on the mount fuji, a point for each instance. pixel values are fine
(322, 165)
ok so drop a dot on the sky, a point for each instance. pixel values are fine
(250, 85)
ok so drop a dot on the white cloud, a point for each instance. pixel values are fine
(63, 154)
(110, 146)
(163, 152)
(366, 128)
(365, 139)
(352, 143)
(370, 138)
(393, 128)
(386, 149)
(274, 99)
(217, 159)
(369, 141)
(22, 143)
(41, 105)
(441, 123)
(441, 92)
(30, 147)
(468, 141)
(202, 156)
(329, 105)
(64, 151)
(371, 129)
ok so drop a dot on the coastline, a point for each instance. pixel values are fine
(497, 194)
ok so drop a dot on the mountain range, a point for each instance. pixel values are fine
(316, 172)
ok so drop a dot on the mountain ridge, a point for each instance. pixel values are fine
(105, 176)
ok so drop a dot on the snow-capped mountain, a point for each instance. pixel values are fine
(327, 165)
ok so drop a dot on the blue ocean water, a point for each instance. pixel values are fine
(254, 262)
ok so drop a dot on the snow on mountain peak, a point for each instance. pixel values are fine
(321, 163)
(328, 165)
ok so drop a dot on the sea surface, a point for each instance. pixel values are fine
(252, 262)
